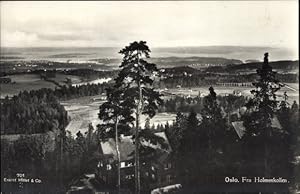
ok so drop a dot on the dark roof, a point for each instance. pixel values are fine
(127, 147)
(239, 128)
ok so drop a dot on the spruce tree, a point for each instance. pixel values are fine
(147, 123)
(188, 154)
(260, 137)
(212, 121)
(175, 132)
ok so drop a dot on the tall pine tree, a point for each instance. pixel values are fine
(136, 77)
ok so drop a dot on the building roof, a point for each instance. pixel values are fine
(239, 128)
(275, 123)
(127, 147)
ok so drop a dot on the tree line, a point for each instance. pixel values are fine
(72, 156)
(206, 79)
(185, 104)
(32, 112)
(206, 148)
(70, 92)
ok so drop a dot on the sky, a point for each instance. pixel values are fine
(160, 23)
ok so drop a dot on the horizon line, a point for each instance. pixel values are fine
(191, 46)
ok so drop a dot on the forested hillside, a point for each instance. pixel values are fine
(39, 111)
(32, 112)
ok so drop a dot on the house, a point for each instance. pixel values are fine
(237, 93)
(156, 167)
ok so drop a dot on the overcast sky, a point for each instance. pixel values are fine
(167, 24)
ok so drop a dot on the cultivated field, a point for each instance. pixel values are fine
(21, 82)
(292, 91)
(83, 111)
(24, 82)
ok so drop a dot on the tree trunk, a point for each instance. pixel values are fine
(228, 118)
(137, 140)
(266, 160)
(61, 158)
(118, 155)
(209, 144)
(137, 159)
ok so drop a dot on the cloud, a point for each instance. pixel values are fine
(13, 39)
(63, 37)
(164, 23)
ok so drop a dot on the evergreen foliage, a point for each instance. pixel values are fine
(133, 93)
(268, 146)
(32, 112)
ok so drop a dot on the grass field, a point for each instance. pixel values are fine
(245, 91)
(24, 82)
(83, 111)
(21, 82)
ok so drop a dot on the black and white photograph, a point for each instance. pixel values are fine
(149, 97)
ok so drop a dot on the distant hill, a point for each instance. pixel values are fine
(182, 69)
(282, 67)
(195, 62)
(277, 65)
(252, 61)
(87, 53)
(232, 52)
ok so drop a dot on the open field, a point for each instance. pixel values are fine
(96, 81)
(83, 111)
(13, 89)
(61, 78)
(21, 82)
(24, 82)
(245, 91)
